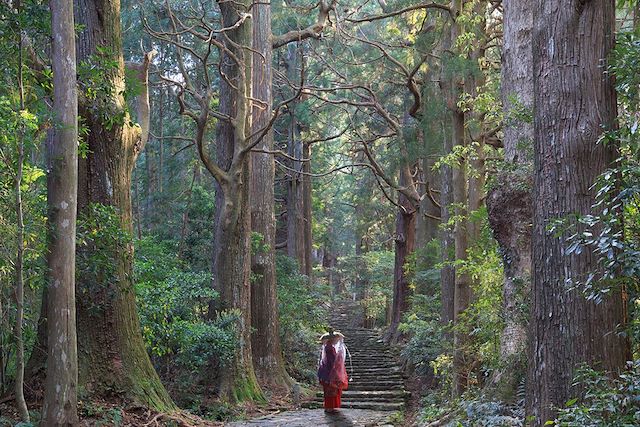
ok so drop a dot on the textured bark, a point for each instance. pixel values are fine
(448, 272)
(267, 351)
(21, 404)
(509, 204)
(574, 100)
(308, 210)
(295, 194)
(61, 393)
(462, 288)
(405, 239)
(112, 356)
(232, 251)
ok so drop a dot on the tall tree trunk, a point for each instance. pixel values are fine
(509, 206)
(447, 245)
(161, 140)
(19, 262)
(308, 210)
(267, 351)
(404, 246)
(295, 195)
(61, 393)
(111, 349)
(462, 288)
(574, 100)
(232, 251)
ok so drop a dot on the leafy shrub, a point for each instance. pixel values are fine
(174, 305)
(302, 316)
(606, 402)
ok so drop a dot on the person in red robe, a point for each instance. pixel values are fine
(332, 371)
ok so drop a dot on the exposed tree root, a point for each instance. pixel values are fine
(183, 419)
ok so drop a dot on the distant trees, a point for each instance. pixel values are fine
(60, 405)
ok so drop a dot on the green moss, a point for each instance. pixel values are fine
(148, 390)
(247, 389)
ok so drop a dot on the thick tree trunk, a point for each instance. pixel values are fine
(61, 393)
(112, 354)
(267, 351)
(232, 252)
(574, 101)
(509, 206)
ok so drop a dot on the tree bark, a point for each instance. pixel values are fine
(404, 246)
(60, 402)
(574, 101)
(462, 288)
(267, 351)
(509, 204)
(448, 271)
(295, 189)
(232, 250)
(307, 206)
(112, 354)
(21, 404)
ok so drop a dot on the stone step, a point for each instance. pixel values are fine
(387, 394)
(357, 398)
(375, 387)
(378, 406)
(373, 376)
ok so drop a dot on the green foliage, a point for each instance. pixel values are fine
(101, 241)
(605, 401)
(174, 311)
(302, 309)
(100, 416)
(422, 324)
(96, 83)
(196, 248)
(373, 271)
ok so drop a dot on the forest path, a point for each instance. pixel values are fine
(376, 388)
(317, 417)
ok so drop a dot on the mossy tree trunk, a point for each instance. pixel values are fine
(112, 357)
(232, 251)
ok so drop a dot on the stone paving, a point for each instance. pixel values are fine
(317, 417)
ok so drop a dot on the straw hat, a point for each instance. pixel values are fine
(331, 334)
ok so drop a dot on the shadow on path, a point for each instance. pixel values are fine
(317, 417)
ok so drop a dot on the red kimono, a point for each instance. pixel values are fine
(332, 373)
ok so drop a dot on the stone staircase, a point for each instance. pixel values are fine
(375, 377)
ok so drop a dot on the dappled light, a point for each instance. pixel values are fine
(320, 213)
